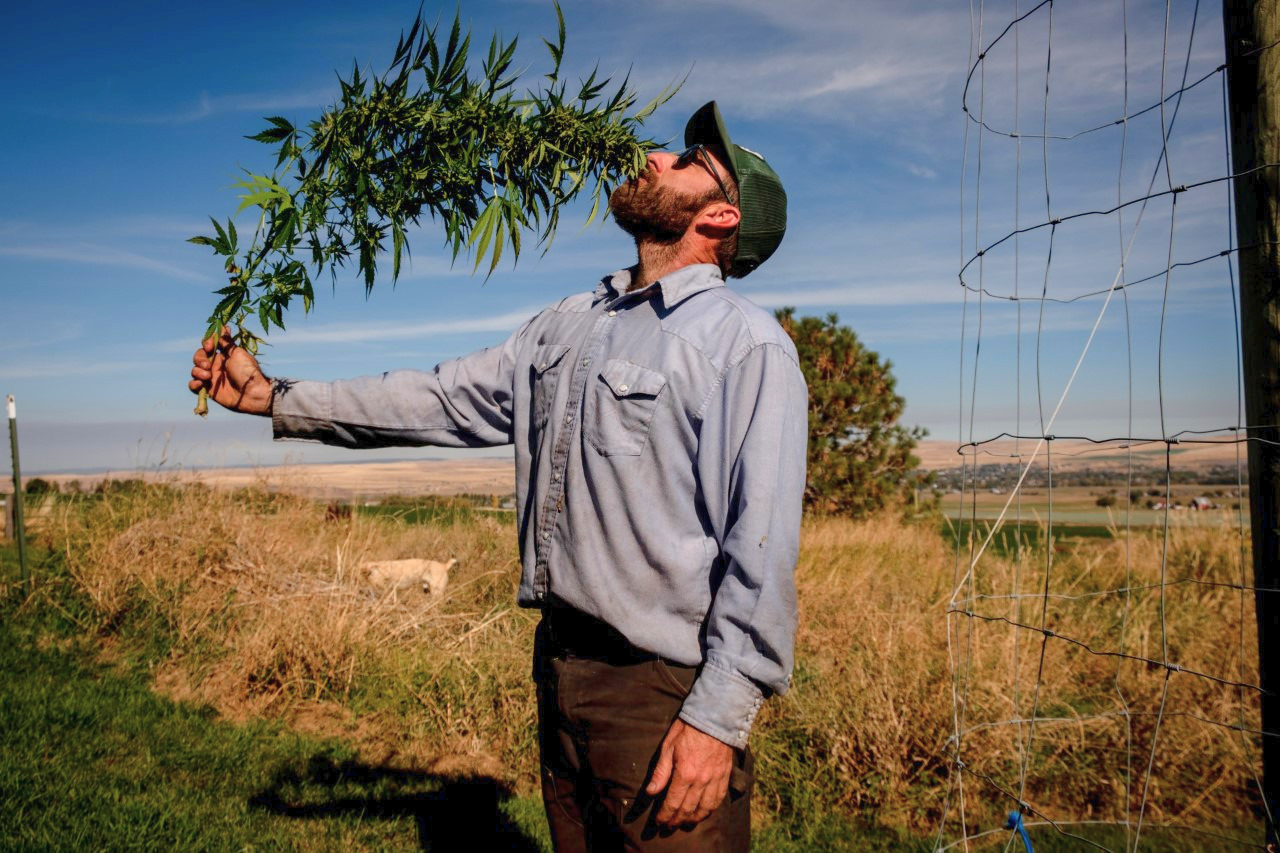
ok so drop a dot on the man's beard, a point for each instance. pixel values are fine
(652, 213)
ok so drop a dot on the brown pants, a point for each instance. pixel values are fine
(603, 709)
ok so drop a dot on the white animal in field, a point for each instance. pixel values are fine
(398, 575)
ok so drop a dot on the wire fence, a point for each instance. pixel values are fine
(1105, 687)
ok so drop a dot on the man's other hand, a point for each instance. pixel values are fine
(694, 769)
(231, 376)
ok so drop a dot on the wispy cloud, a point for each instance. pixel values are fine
(118, 225)
(365, 333)
(921, 171)
(369, 332)
(57, 336)
(86, 253)
(70, 368)
(206, 105)
(821, 59)
(857, 293)
(166, 228)
(898, 66)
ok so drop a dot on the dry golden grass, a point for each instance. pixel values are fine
(261, 609)
(868, 725)
(1098, 711)
(250, 602)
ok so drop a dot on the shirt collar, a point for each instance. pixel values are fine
(674, 287)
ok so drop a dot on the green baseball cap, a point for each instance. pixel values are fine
(761, 199)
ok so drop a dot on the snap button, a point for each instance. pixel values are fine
(585, 362)
(544, 366)
(613, 313)
(622, 387)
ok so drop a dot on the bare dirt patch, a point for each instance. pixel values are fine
(339, 481)
(944, 455)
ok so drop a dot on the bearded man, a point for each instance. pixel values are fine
(659, 425)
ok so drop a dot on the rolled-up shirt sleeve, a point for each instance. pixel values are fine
(751, 463)
(463, 402)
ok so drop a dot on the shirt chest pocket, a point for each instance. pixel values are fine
(546, 368)
(622, 401)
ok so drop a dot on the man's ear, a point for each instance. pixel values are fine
(718, 219)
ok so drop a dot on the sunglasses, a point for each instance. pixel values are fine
(700, 154)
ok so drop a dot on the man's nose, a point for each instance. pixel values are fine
(660, 161)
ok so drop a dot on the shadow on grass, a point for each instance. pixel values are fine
(450, 813)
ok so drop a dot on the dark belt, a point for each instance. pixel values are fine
(571, 632)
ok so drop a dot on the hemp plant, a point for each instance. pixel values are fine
(429, 137)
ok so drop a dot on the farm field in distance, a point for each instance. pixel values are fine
(1078, 505)
(1094, 486)
(334, 481)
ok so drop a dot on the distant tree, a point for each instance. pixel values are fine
(1106, 500)
(127, 486)
(40, 486)
(859, 456)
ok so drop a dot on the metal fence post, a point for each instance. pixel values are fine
(1252, 30)
(19, 532)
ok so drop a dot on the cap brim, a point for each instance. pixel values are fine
(706, 127)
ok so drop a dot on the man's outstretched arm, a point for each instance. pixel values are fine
(463, 402)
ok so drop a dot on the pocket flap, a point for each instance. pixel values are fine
(548, 356)
(626, 379)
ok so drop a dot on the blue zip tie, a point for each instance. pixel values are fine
(1015, 822)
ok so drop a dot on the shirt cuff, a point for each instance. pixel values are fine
(300, 410)
(723, 705)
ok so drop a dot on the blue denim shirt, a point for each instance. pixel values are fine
(660, 441)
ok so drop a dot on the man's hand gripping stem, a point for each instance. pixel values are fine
(231, 376)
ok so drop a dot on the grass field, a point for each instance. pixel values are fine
(1072, 506)
(206, 668)
(95, 759)
(437, 511)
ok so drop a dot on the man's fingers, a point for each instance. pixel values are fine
(712, 796)
(674, 810)
(694, 767)
(662, 770)
(220, 341)
(195, 385)
(691, 801)
(692, 808)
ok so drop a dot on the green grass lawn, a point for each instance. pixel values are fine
(90, 758)
(1004, 542)
(432, 510)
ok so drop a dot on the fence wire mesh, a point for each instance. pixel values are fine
(1101, 625)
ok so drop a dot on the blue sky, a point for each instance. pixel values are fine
(126, 127)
